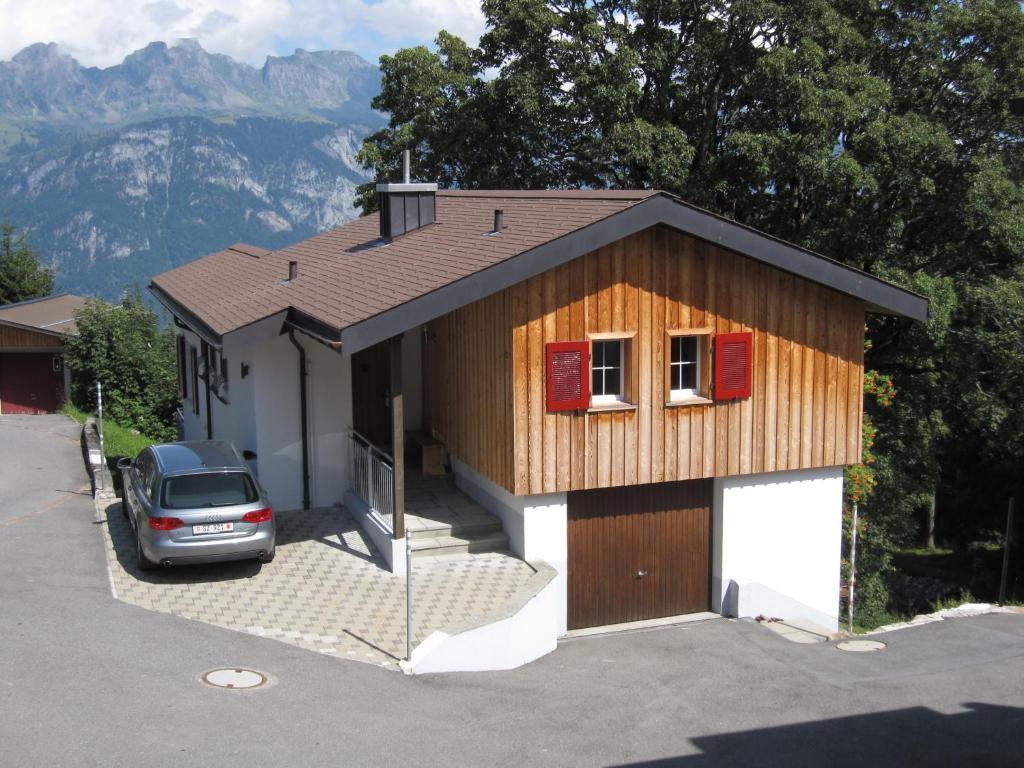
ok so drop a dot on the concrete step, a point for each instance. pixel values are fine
(457, 545)
(475, 526)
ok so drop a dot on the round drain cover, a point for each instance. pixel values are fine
(234, 678)
(860, 646)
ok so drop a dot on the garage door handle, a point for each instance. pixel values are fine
(641, 574)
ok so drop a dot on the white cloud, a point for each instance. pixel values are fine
(102, 32)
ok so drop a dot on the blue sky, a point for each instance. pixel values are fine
(102, 32)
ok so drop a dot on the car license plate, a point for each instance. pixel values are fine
(213, 528)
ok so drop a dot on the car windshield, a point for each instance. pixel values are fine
(212, 489)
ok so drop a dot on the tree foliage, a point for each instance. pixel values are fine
(22, 277)
(874, 131)
(123, 347)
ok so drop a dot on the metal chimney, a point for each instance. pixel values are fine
(499, 220)
(293, 270)
(405, 167)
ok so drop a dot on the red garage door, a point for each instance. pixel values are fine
(31, 383)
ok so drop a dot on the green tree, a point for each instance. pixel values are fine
(877, 133)
(123, 347)
(22, 277)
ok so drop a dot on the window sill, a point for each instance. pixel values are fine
(611, 407)
(689, 401)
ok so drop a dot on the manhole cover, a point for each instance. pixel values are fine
(234, 678)
(860, 646)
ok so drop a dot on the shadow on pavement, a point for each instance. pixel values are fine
(983, 735)
(292, 527)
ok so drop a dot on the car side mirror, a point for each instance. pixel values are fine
(124, 463)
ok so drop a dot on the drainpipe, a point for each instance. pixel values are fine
(206, 382)
(303, 414)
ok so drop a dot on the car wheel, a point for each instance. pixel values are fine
(269, 557)
(145, 564)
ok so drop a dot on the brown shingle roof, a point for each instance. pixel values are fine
(55, 314)
(348, 274)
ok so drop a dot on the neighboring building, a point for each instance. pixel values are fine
(655, 400)
(33, 377)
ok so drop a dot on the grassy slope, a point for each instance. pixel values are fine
(118, 441)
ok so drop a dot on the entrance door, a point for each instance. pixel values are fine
(371, 394)
(31, 383)
(639, 552)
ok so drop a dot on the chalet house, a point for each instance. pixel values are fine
(33, 377)
(654, 400)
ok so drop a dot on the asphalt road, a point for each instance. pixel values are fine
(87, 680)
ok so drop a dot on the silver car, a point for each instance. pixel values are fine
(195, 502)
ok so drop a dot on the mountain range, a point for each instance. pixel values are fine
(119, 173)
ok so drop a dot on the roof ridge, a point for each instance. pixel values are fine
(579, 194)
(33, 301)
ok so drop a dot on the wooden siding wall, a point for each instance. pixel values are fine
(808, 365)
(20, 337)
(467, 385)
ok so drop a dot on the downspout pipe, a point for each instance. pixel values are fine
(206, 383)
(303, 408)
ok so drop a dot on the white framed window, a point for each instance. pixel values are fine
(606, 366)
(687, 377)
(684, 367)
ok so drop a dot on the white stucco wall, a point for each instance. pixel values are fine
(537, 526)
(277, 413)
(776, 545)
(330, 413)
(279, 437)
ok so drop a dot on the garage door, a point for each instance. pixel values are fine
(31, 383)
(640, 552)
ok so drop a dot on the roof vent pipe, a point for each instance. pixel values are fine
(405, 167)
(293, 270)
(499, 220)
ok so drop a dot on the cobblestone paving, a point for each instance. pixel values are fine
(327, 590)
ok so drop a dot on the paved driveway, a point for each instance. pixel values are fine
(88, 680)
(327, 590)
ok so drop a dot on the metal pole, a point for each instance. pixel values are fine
(408, 597)
(1006, 552)
(853, 571)
(99, 414)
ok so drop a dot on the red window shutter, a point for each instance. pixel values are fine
(568, 375)
(733, 365)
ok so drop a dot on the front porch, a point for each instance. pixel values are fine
(399, 483)
(439, 520)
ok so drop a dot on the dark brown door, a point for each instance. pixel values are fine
(371, 394)
(639, 552)
(31, 383)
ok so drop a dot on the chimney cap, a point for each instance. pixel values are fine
(406, 184)
(415, 186)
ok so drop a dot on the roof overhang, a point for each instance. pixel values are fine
(186, 316)
(662, 209)
(267, 327)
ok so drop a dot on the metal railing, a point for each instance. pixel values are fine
(179, 423)
(373, 478)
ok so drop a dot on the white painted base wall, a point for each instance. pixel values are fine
(776, 545)
(537, 526)
(391, 549)
(524, 631)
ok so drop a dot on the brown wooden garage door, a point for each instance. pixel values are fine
(639, 552)
(31, 383)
